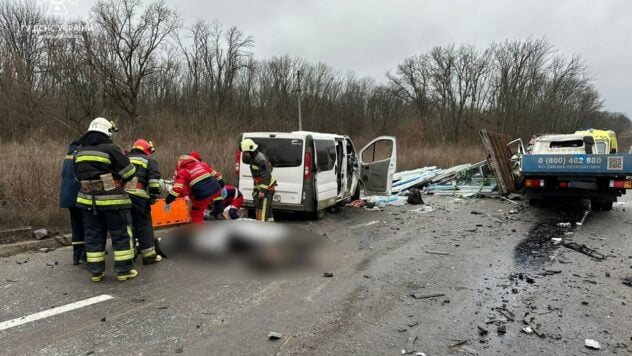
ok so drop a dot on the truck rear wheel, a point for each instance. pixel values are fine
(601, 205)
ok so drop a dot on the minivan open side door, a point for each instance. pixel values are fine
(378, 162)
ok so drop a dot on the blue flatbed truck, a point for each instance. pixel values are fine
(602, 178)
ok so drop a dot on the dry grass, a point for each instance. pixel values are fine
(30, 180)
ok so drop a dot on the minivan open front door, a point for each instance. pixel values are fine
(378, 162)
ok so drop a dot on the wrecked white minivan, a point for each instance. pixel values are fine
(316, 171)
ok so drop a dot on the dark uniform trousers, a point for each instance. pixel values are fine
(97, 225)
(142, 227)
(263, 206)
(76, 225)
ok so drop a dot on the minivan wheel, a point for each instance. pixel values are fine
(319, 214)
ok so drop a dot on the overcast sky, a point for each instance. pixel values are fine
(371, 37)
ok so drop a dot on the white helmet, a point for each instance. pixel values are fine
(103, 126)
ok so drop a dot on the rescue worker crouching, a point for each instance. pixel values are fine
(68, 200)
(264, 183)
(143, 190)
(232, 203)
(194, 177)
(102, 169)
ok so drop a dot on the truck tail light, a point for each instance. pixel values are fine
(563, 184)
(307, 162)
(534, 183)
(621, 184)
(237, 161)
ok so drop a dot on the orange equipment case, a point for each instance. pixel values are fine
(179, 213)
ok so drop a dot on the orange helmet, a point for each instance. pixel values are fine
(185, 160)
(145, 146)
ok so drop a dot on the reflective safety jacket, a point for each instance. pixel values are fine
(217, 175)
(196, 178)
(98, 155)
(147, 175)
(261, 170)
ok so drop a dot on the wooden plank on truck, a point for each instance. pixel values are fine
(499, 159)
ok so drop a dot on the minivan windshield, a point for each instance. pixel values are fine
(282, 152)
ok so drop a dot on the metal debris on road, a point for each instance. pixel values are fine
(328, 274)
(482, 331)
(418, 295)
(410, 346)
(274, 335)
(592, 344)
(501, 329)
(627, 281)
(581, 248)
(438, 253)
(527, 330)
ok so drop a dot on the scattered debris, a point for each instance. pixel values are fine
(40, 234)
(474, 212)
(482, 331)
(413, 323)
(507, 314)
(179, 350)
(527, 330)
(564, 224)
(581, 248)
(438, 253)
(418, 295)
(46, 249)
(273, 335)
(414, 197)
(12, 280)
(627, 281)
(592, 344)
(52, 264)
(548, 272)
(401, 329)
(501, 329)
(458, 343)
(410, 346)
(556, 240)
(357, 203)
(328, 274)
(103, 320)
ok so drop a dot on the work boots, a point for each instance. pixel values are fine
(124, 276)
(78, 256)
(152, 259)
(97, 277)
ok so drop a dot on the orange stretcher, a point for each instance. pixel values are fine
(179, 213)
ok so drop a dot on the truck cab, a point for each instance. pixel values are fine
(315, 171)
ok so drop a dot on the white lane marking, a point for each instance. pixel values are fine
(53, 311)
(366, 224)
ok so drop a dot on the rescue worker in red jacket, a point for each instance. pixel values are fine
(232, 203)
(203, 188)
(264, 182)
(216, 174)
(102, 169)
(143, 190)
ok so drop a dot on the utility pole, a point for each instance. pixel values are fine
(300, 119)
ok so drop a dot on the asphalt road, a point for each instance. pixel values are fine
(492, 267)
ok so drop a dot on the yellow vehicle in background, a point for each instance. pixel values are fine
(605, 140)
